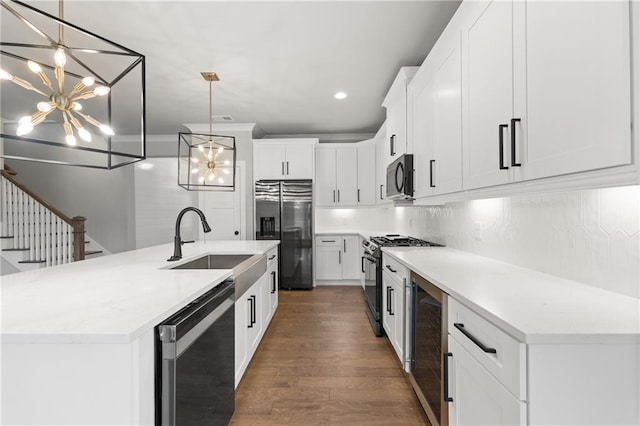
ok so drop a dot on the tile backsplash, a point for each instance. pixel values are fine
(589, 236)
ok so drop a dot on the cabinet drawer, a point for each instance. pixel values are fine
(272, 257)
(503, 356)
(394, 267)
(329, 241)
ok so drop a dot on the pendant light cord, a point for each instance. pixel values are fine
(60, 26)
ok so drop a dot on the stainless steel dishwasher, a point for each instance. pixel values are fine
(195, 361)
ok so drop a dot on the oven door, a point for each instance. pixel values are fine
(373, 291)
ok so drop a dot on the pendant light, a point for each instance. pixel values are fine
(207, 162)
(60, 92)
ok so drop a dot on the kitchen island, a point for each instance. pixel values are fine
(78, 342)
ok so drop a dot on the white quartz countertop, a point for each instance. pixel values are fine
(531, 306)
(111, 299)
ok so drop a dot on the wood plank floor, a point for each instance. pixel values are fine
(319, 363)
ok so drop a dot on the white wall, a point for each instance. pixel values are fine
(588, 236)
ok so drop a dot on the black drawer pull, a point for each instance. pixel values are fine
(445, 380)
(273, 282)
(431, 163)
(362, 265)
(501, 128)
(471, 337)
(328, 241)
(388, 299)
(391, 301)
(391, 269)
(272, 257)
(513, 142)
(381, 191)
(250, 299)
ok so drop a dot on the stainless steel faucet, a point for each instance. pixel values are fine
(177, 240)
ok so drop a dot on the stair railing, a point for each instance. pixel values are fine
(51, 236)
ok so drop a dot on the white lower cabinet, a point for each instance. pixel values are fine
(395, 305)
(338, 257)
(253, 312)
(478, 398)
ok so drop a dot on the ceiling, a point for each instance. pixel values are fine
(280, 63)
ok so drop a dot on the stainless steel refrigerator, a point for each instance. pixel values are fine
(284, 212)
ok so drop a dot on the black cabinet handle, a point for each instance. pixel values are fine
(338, 195)
(381, 191)
(328, 241)
(392, 145)
(344, 244)
(358, 195)
(273, 282)
(254, 309)
(431, 163)
(334, 195)
(282, 168)
(501, 128)
(272, 257)
(339, 257)
(513, 142)
(391, 269)
(390, 299)
(445, 379)
(287, 168)
(471, 337)
(250, 299)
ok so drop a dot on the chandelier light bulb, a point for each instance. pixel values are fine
(25, 126)
(106, 130)
(194, 160)
(194, 170)
(201, 148)
(70, 140)
(34, 67)
(220, 180)
(60, 58)
(211, 177)
(226, 171)
(101, 90)
(76, 106)
(88, 81)
(84, 134)
(227, 162)
(201, 179)
(5, 75)
(220, 150)
(44, 106)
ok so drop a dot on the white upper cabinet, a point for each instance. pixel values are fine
(396, 124)
(577, 114)
(283, 159)
(382, 157)
(546, 88)
(435, 119)
(345, 174)
(366, 173)
(487, 44)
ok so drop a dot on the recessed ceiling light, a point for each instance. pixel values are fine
(340, 95)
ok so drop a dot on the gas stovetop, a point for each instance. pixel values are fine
(373, 245)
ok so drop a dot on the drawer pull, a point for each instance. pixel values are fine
(501, 127)
(272, 257)
(471, 337)
(391, 269)
(445, 384)
(514, 163)
(328, 241)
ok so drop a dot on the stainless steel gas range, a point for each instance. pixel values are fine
(372, 269)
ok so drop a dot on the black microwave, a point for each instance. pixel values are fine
(400, 178)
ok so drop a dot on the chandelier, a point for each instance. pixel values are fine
(206, 162)
(65, 84)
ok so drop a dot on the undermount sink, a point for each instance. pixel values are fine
(246, 268)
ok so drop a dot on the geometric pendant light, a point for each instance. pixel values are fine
(207, 162)
(64, 91)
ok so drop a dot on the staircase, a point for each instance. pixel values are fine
(34, 234)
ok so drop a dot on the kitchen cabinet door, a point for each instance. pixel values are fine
(269, 161)
(241, 337)
(328, 262)
(446, 164)
(255, 319)
(346, 176)
(299, 161)
(325, 191)
(487, 87)
(265, 300)
(351, 257)
(577, 113)
(399, 311)
(273, 291)
(420, 111)
(478, 398)
(366, 173)
(388, 322)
